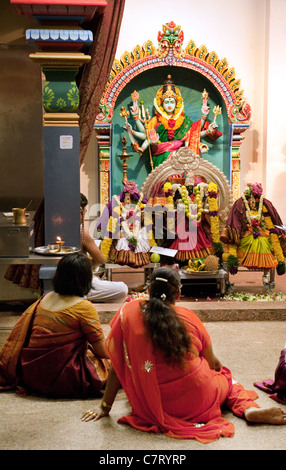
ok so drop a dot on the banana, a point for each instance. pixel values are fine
(195, 265)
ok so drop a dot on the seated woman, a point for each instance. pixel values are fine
(57, 346)
(162, 356)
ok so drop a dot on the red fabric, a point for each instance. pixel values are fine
(191, 241)
(182, 403)
(195, 136)
(96, 72)
(64, 371)
(169, 146)
(11, 349)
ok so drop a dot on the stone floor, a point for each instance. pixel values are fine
(246, 336)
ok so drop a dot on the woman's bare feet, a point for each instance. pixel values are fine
(271, 415)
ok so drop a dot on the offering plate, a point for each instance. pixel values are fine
(199, 273)
(65, 250)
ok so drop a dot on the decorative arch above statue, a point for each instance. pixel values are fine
(192, 166)
(194, 70)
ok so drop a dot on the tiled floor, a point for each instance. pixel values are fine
(250, 349)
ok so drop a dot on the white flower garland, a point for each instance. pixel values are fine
(249, 216)
(198, 206)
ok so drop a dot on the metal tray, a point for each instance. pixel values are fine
(44, 250)
(199, 273)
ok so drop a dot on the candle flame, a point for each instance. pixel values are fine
(59, 239)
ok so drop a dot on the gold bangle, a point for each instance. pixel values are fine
(105, 405)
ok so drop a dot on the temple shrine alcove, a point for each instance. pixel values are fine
(203, 80)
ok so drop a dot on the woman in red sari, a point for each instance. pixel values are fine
(162, 356)
(57, 346)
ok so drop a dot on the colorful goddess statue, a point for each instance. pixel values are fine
(251, 236)
(125, 238)
(170, 128)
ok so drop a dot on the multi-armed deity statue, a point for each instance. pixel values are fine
(170, 128)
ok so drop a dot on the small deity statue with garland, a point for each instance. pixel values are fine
(125, 240)
(170, 128)
(196, 217)
(250, 235)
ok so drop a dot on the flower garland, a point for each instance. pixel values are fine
(213, 211)
(232, 259)
(249, 215)
(107, 241)
(214, 219)
(198, 206)
(278, 252)
(170, 123)
(105, 247)
(151, 238)
(200, 209)
(148, 224)
(158, 104)
(254, 219)
(168, 192)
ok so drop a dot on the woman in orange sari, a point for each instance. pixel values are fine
(162, 356)
(57, 346)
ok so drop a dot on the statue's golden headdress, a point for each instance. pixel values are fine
(168, 90)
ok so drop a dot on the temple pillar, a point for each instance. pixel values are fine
(236, 141)
(58, 41)
(61, 138)
(104, 145)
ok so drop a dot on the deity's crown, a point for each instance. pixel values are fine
(169, 93)
(169, 90)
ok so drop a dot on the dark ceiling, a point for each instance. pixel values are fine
(13, 26)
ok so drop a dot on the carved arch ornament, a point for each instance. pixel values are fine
(170, 52)
(185, 160)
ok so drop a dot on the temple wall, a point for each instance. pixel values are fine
(21, 162)
(275, 164)
(21, 150)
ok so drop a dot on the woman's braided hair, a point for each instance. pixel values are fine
(165, 328)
